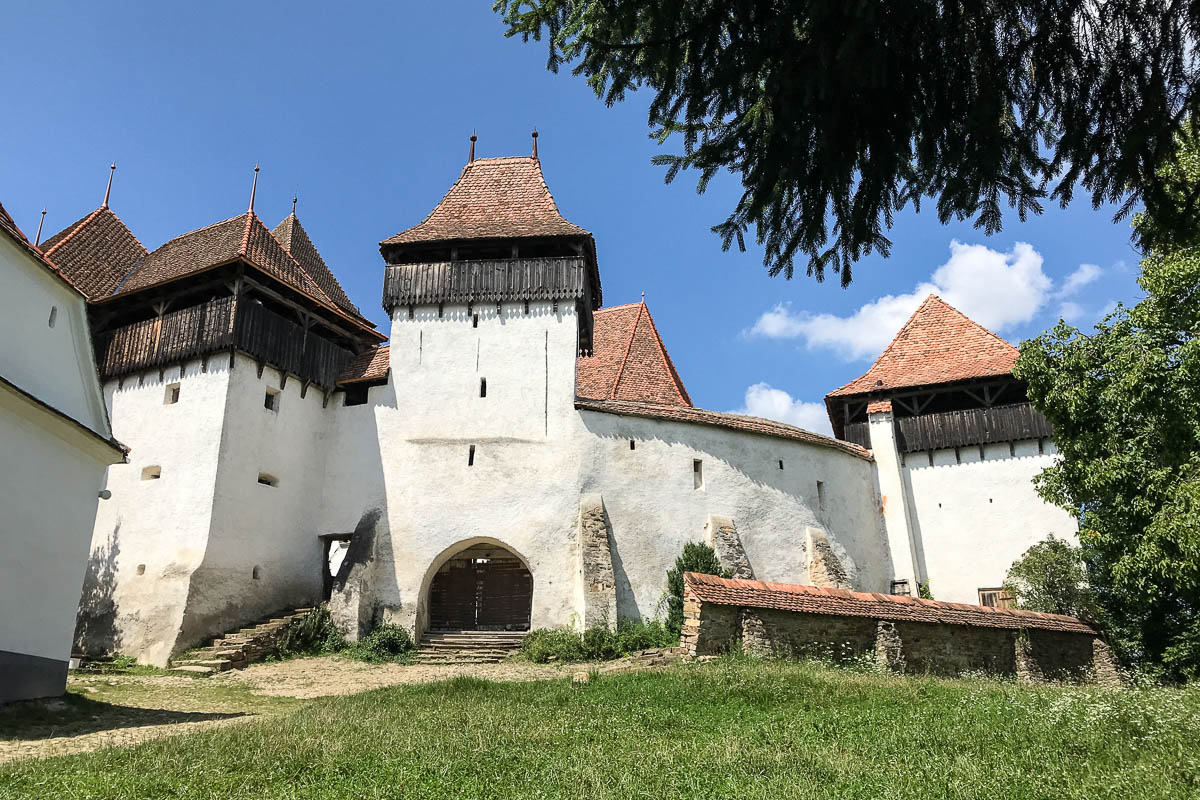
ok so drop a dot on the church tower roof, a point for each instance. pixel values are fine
(938, 345)
(493, 198)
(95, 252)
(295, 240)
(628, 361)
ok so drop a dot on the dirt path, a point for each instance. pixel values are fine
(122, 710)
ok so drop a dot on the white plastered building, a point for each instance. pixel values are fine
(55, 444)
(517, 456)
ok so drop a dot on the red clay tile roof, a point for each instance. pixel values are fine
(96, 252)
(628, 361)
(493, 198)
(295, 240)
(845, 603)
(244, 237)
(938, 344)
(737, 422)
(369, 366)
(13, 231)
(879, 406)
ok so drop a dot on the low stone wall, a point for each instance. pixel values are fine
(721, 614)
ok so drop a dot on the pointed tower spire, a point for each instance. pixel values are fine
(535, 155)
(473, 138)
(253, 189)
(111, 169)
(38, 239)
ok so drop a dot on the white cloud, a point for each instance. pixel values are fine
(763, 400)
(997, 290)
(1071, 311)
(1087, 273)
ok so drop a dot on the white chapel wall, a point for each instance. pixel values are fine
(972, 516)
(152, 534)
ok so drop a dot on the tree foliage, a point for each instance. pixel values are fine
(696, 557)
(1051, 577)
(836, 115)
(1125, 404)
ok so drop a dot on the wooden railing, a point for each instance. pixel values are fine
(971, 426)
(481, 281)
(218, 326)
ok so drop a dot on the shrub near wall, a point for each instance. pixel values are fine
(595, 644)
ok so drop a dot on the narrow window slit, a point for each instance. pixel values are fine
(471, 456)
(483, 387)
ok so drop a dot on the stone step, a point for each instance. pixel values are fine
(514, 641)
(217, 664)
(192, 669)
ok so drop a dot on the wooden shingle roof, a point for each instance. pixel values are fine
(937, 345)
(96, 252)
(628, 360)
(845, 603)
(493, 198)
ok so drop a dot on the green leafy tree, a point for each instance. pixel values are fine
(696, 557)
(836, 115)
(1125, 404)
(1051, 577)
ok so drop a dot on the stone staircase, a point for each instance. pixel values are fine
(468, 647)
(237, 649)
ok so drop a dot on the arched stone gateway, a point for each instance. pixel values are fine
(483, 587)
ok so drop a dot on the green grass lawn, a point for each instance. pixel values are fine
(732, 728)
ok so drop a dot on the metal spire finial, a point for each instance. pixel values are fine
(38, 239)
(473, 138)
(535, 155)
(111, 169)
(294, 199)
(253, 188)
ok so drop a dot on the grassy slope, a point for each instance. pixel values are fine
(728, 729)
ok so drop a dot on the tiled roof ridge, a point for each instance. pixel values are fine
(297, 225)
(295, 262)
(11, 227)
(462, 174)
(666, 357)
(845, 602)
(915, 318)
(452, 204)
(612, 395)
(616, 308)
(739, 422)
(78, 227)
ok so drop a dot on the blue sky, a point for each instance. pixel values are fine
(365, 113)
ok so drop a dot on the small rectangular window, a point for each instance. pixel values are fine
(356, 394)
(267, 480)
(820, 495)
(781, 463)
(697, 473)
(996, 597)
(900, 587)
(172, 395)
(151, 473)
(474, 320)
(271, 400)
(471, 456)
(483, 387)
(632, 444)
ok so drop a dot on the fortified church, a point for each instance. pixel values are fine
(518, 455)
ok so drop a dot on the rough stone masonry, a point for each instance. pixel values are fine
(902, 634)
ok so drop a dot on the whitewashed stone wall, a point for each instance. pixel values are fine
(973, 513)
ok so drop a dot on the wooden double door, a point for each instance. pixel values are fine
(481, 589)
